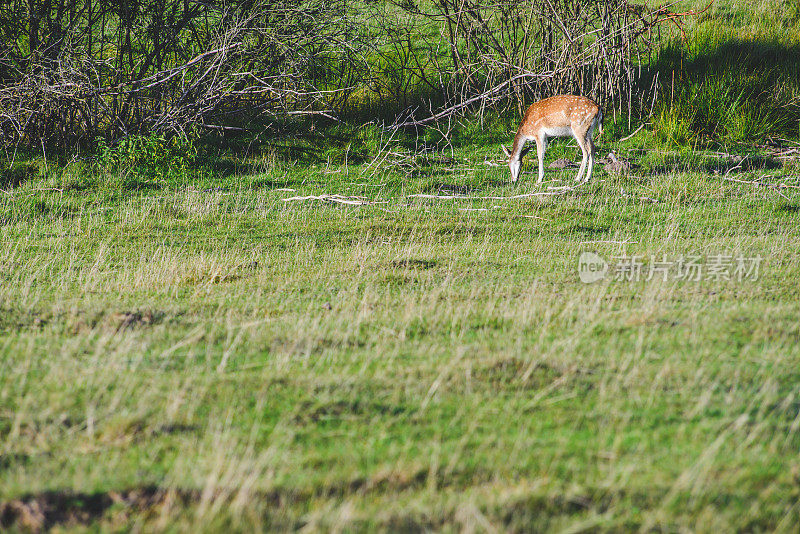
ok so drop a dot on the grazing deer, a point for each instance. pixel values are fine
(557, 116)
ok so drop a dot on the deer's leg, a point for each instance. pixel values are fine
(581, 139)
(590, 145)
(541, 145)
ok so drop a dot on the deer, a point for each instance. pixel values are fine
(557, 116)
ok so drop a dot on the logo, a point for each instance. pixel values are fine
(591, 267)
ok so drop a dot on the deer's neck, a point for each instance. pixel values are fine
(517, 146)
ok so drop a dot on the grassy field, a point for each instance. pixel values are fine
(204, 353)
(202, 347)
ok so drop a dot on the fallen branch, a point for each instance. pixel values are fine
(609, 242)
(363, 201)
(791, 153)
(351, 201)
(560, 191)
(223, 128)
(762, 184)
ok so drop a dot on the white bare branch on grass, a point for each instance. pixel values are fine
(340, 199)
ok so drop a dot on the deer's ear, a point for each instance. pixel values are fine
(505, 151)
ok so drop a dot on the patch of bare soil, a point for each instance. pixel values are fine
(45, 510)
(131, 319)
(413, 264)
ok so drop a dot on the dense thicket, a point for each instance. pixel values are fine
(72, 70)
(533, 49)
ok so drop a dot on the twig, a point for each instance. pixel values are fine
(737, 166)
(631, 135)
(452, 109)
(169, 73)
(626, 195)
(326, 114)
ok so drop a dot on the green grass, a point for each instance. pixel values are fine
(195, 352)
(734, 77)
(182, 349)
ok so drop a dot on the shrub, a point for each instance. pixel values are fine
(152, 156)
